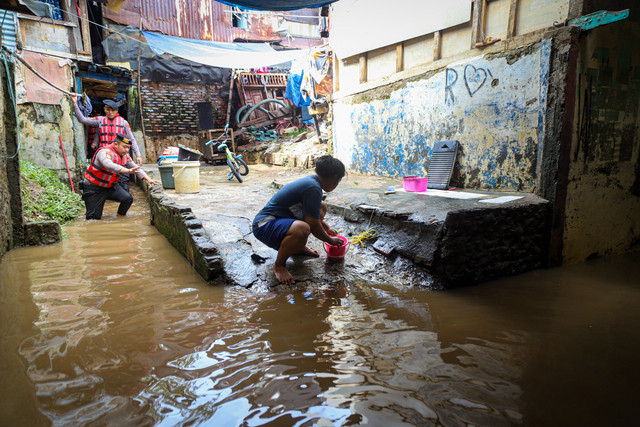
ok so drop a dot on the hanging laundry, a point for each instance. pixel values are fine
(304, 77)
(294, 82)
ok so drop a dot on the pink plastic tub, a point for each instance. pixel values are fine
(415, 184)
(337, 252)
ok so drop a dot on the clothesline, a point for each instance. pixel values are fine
(259, 12)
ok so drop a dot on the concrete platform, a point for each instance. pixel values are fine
(438, 239)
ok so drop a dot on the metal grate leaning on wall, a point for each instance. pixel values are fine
(443, 158)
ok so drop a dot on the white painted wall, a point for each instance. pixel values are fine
(381, 23)
(359, 26)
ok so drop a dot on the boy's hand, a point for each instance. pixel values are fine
(336, 241)
(328, 229)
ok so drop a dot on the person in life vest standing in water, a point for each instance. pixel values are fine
(101, 179)
(108, 126)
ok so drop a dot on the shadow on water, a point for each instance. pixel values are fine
(112, 326)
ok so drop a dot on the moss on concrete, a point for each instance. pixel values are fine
(186, 233)
(42, 233)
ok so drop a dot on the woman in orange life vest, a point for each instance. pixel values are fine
(101, 179)
(108, 126)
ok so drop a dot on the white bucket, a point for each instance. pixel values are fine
(186, 176)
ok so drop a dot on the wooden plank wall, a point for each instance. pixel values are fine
(491, 22)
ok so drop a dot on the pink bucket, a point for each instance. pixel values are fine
(337, 252)
(415, 184)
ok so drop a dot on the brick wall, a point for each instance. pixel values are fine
(170, 108)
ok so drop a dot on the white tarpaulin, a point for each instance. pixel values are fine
(363, 25)
(221, 54)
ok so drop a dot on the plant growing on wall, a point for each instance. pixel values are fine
(45, 197)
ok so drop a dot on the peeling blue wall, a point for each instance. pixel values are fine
(493, 105)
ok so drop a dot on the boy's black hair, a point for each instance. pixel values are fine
(329, 167)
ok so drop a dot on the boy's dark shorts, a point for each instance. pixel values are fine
(272, 233)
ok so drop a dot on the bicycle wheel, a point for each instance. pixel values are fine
(234, 171)
(241, 166)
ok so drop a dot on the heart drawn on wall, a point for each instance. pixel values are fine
(474, 78)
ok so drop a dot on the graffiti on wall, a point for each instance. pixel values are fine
(474, 78)
(493, 106)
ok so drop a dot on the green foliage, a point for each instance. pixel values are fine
(45, 197)
(297, 131)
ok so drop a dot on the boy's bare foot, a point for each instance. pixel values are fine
(309, 252)
(283, 275)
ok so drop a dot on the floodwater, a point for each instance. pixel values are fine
(113, 327)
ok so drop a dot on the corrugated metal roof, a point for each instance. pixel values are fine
(8, 29)
(201, 20)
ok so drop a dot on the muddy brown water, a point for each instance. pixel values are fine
(112, 327)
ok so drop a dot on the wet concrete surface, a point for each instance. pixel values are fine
(435, 239)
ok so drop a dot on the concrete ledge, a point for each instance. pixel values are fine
(457, 246)
(186, 233)
(42, 233)
(482, 244)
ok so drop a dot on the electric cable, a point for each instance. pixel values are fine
(33, 70)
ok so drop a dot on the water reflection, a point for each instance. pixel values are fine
(116, 328)
(393, 372)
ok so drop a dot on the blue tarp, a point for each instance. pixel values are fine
(277, 4)
(220, 54)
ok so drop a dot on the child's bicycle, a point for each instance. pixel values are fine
(236, 164)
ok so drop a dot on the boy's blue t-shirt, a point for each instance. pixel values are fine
(297, 199)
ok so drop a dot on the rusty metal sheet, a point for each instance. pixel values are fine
(201, 20)
(55, 70)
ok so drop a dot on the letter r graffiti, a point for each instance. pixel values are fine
(452, 78)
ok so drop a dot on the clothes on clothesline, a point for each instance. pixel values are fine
(304, 77)
(294, 82)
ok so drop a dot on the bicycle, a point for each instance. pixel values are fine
(282, 125)
(238, 167)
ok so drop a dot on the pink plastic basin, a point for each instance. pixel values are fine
(415, 184)
(337, 252)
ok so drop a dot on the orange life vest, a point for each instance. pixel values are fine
(92, 133)
(103, 177)
(109, 128)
